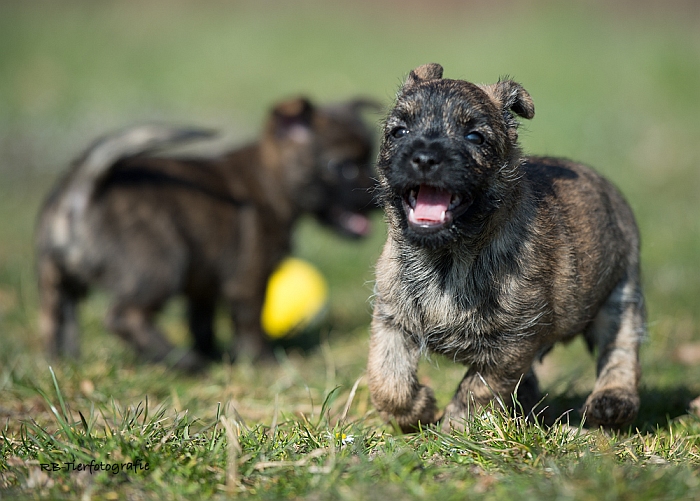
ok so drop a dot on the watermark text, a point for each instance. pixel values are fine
(136, 466)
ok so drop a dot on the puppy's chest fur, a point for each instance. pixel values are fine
(472, 308)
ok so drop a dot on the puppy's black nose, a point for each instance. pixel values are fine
(425, 160)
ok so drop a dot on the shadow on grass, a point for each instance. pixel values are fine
(658, 407)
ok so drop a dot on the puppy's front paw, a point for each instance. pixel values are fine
(612, 407)
(423, 411)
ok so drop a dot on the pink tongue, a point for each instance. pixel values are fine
(356, 224)
(431, 204)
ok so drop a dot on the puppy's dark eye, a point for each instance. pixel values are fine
(399, 132)
(474, 137)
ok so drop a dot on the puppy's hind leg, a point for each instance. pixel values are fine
(58, 318)
(135, 324)
(617, 331)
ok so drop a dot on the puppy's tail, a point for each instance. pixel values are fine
(104, 153)
(72, 197)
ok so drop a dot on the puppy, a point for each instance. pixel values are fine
(492, 257)
(147, 227)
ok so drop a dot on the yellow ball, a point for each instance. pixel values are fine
(296, 295)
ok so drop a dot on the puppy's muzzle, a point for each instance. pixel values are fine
(431, 206)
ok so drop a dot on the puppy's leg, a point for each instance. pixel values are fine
(200, 314)
(617, 331)
(249, 341)
(135, 324)
(58, 311)
(483, 384)
(244, 286)
(393, 381)
(528, 393)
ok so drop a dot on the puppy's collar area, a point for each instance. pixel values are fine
(431, 208)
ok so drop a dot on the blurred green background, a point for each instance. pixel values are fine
(615, 84)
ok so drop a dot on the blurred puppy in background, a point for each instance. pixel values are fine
(147, 227)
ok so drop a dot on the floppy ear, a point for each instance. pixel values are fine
(512, 97)
(293, 118)
(430, 71)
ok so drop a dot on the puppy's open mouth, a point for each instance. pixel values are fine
(354, 223)
(430, 208)
(347, 222)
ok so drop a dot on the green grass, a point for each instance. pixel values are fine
(323, 453)
(615, 86)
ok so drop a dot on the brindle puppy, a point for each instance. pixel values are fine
(492, 257)
(147, 228)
